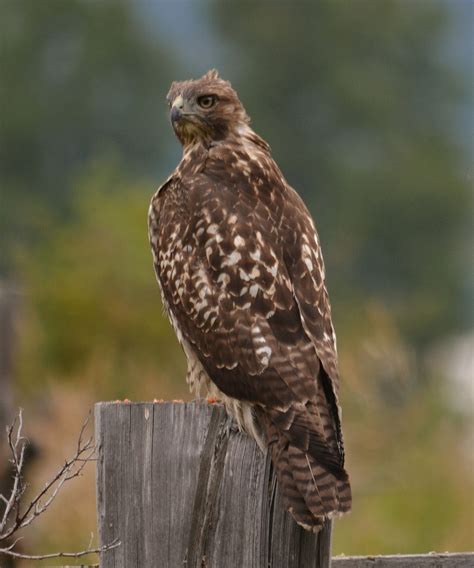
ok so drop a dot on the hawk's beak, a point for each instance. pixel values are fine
(177, 109)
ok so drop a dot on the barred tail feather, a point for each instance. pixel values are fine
(311, 493)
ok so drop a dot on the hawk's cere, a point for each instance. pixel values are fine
(240, 269)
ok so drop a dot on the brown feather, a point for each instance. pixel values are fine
(242, 277)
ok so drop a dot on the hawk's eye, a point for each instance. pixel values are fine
(207, 101)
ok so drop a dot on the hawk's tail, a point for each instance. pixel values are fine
(311, 492)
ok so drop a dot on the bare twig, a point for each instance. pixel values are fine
(17, 445)
(85, 552)
(15, 516)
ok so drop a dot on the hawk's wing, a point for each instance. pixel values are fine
(244, 281)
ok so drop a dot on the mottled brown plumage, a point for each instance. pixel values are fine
(241, 274)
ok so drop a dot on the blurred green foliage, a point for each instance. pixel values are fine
(96, 300)
(409, 449)
(356, 102)
(78, 79)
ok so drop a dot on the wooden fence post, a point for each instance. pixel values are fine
(180, 487)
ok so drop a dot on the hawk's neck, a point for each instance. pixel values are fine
(195, 154)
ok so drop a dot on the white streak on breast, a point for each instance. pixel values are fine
(232, 259)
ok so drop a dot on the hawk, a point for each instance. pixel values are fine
(239, 265)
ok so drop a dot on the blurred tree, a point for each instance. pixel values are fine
(93, 306)
(408, 450)
(78, 79)
(355, 101)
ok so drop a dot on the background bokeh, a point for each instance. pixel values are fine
(368, 108)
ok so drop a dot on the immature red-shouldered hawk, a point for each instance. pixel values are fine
(240, 269)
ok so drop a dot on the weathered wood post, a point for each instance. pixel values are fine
(181, 487)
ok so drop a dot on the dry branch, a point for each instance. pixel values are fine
(16, 515)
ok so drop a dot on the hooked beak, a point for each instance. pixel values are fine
(177, 109)
(175, 114)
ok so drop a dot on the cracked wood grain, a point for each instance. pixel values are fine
(181, 487)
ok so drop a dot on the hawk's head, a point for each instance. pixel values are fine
(206, 109)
